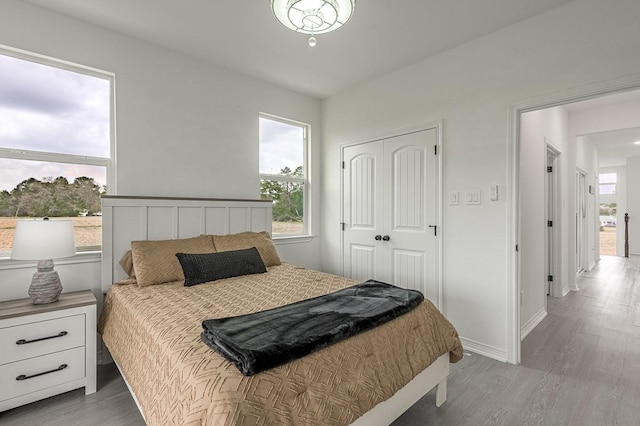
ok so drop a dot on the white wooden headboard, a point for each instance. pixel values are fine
(127, 218)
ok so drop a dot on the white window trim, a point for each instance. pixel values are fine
(109, 163)
(21, 154)
(306, 221)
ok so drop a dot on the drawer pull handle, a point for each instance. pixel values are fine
(24, 342)
(25, 377)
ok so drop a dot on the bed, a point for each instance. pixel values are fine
(153, 332)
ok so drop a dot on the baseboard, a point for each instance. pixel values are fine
(532, 323)
(483, 349)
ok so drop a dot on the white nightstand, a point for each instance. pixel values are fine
(47, 349)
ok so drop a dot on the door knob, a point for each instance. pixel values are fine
(386, 238)
(378, 237)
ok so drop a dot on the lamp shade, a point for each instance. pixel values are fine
(43, 239)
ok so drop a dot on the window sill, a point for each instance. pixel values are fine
(294, 239)
(81, 257)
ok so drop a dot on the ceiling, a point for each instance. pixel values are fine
(382, 36)
(243, 36)
(614, 147)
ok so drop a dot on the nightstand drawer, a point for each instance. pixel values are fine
(23, 377)
(39, 338)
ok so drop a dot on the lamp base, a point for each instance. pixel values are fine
(45, 286)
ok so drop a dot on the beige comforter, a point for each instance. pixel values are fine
(153, 333)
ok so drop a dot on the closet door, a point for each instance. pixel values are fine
(410, 245)
(363, 211)
(389, 201)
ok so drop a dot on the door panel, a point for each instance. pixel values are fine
(362, 260)
(409, 269)
(362, 192)
(407, 189)
(410, 187)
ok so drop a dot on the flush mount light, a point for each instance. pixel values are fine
(637, 143)
(313, 16)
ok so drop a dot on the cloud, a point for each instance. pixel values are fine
(280, 146)
(43, 108)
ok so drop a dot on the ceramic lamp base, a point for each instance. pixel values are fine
(45, 286)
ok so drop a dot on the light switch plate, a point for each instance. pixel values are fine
(494, 193)
(472, 197)
(454, 197)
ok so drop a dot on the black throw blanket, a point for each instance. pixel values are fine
(262, 340)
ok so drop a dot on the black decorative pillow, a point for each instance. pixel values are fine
(201, 268)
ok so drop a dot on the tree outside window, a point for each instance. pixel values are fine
(283, 147)
(55, 144)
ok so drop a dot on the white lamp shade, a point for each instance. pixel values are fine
(43, 239)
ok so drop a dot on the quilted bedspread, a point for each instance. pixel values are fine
(153, 333)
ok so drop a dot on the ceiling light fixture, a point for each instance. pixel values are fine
(313, 16)
(637, 143)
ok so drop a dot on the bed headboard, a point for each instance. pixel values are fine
(127, 218)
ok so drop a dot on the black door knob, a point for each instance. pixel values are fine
(378, 237)
(386, 238)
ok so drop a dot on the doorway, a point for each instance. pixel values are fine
(515, 305)
(581, 223)
(553, 200)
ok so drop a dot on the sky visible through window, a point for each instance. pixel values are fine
(44, 108)
(280, 146)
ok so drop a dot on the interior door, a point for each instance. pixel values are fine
(390, 211)
(409, 209)
(581, 213)
(362, 211)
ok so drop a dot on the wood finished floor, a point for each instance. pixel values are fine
(580, 366)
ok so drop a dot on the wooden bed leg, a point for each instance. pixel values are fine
(441, 392)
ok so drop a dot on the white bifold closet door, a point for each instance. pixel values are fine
(389, 202)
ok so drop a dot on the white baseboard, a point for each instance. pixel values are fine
(532, 323)
(483, 349)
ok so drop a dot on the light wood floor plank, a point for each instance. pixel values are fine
(580, 367)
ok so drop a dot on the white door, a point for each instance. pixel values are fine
(363, 210)
(390, 211)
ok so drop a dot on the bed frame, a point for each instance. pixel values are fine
(126, 218)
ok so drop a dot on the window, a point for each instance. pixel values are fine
(283, 173)
(608, 183)
(56, 141)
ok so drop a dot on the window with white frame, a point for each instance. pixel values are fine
(56, 144)
(607, 182)
(283, 173)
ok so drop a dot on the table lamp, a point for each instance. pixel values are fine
(44, 240)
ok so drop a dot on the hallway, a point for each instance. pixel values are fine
(580, 366)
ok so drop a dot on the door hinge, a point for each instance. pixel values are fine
(435, 150)
(549, 223)
(549, 278)
(549, 169)
(342, 225)
(343, 165)
(517, 248)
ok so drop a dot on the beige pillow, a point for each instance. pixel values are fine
(127, 264)
(155, 262)
(244, 240)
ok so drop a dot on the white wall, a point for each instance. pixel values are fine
(620, 198)
(539, 128)
(472, 87)
(587, 161)
(633, 204)
(184, 127)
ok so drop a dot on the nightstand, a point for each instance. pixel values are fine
(47, 349)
